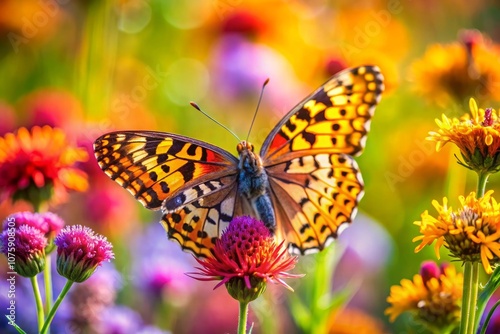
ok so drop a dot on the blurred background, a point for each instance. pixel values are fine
(91, 67)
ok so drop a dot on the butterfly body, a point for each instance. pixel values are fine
(304, 184)
(253, 183)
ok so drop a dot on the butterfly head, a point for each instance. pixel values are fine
(248, 158)
(244, 146)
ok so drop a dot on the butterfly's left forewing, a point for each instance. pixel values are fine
(192, 182)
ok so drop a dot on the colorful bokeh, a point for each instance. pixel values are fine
(91, 67)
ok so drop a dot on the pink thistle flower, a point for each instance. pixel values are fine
(245, 258)
(48, 223)
(27, 245)
(52, 224)
(80, 251)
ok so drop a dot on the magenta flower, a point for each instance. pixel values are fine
(245, 258)
(52, 224)
(24, 218)
(24, 247)
(80, 251)
(48, 223)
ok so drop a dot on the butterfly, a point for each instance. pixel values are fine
(304, 185)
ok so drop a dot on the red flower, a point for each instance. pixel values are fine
(37, 165)
(245, 258)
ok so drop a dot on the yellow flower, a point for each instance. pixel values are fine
(38, 165)
(433, 297)
(456, 71)
(477, 136)
(470, 233)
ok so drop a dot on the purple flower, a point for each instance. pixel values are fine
(80, 251)
(24, 218)
(158, 268)
(89, 299)
(48, 223)
(231, 58)
(24, 247)
(120, 320)
(152, 330)
(52, 224)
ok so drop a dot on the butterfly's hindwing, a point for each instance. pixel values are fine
(334, 119)
(313, 196)
(197, 225)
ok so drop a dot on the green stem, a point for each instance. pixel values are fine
(38, 299)
(48, 284)
(481, 183)
(466, 297)
(473, 297)
(471, 277)
(242, 320)
(53, 311)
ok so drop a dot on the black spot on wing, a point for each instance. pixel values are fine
(165, 168)
(187, 171)
(191, 150)
(162, 158)
(309, 137)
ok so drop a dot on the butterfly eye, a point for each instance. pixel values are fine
(239, 147)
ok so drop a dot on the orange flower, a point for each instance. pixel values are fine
(456, 71)
(38, 166)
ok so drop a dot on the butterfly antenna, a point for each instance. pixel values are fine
(197, 107)
(258, 105)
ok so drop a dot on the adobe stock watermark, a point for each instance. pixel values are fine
(11, 274)
(363, 34)
(31, 25)
(407, 164)
(123, 104)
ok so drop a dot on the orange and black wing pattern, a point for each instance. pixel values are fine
(315, 184)
(192, 182)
